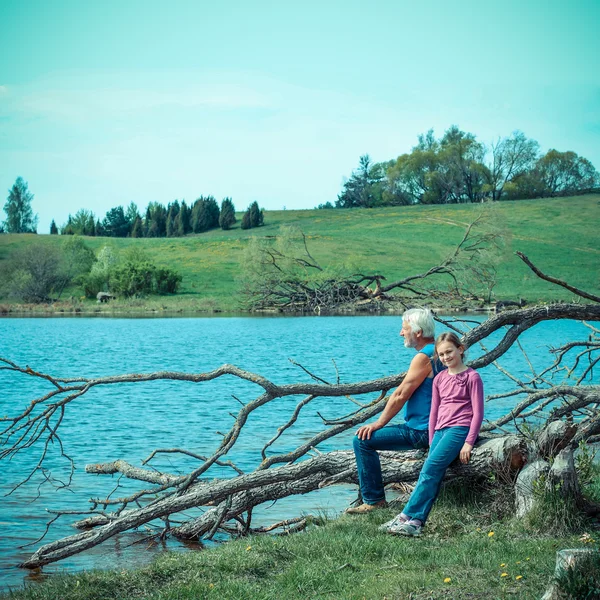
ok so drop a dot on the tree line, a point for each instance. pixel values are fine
(177, 219)
(457, 168)
(174, 220)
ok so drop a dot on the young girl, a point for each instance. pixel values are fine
(454, 423)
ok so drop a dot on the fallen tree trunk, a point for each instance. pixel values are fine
(247, 491)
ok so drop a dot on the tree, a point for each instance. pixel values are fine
(156, 220)
(77, 260)
(364, 187)
(253, 217)
(132, 214)
(137, 231)
(20, 217)
(205, 214)
(529, 459)
(227, 216)
(82, 223)
(99, 229)
(461, 174)
(172, 212)
(185, 213)
(34, 274)
(53, 228)
(564, 173)
(280, 273)
(115, 223)
(246, 221)
(512, 157)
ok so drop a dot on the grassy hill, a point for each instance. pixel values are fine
(560, 235)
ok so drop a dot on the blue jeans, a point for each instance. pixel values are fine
(392, 437)
(445, 447)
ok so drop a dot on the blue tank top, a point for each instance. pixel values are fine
(418, 406)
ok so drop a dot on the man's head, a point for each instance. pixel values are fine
(417, 325)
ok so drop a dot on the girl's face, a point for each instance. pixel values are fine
(450, 355)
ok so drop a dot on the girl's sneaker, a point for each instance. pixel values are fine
(394, 525)
(410, 528)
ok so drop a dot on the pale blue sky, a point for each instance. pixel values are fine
(107, 102)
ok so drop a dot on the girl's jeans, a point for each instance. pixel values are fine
(445, 447)
(392, 437)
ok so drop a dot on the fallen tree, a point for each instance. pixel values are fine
(511, 454)
(281, 274)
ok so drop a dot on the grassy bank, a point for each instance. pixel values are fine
(561, 235)
(469, 551)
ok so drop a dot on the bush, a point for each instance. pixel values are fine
(133, 279)
(167, 281)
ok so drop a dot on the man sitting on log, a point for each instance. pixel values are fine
(418, 331)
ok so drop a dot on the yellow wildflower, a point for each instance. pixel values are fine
(519, 577)
(248, 548)
(211, 585)
(448, 580)
(505, 574)
(490, 534)
(518, 562)
(503, 565)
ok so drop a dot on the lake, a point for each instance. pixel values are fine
(131, 420)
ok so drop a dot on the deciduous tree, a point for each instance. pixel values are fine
(19, 214)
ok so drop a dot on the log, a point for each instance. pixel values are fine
(525, 486)
(248, 490)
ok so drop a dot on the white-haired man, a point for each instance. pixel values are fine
(414, 393)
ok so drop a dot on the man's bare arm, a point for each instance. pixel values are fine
(420, 368)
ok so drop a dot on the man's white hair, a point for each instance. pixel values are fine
(420, 319)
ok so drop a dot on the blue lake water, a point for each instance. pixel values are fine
(130, 420)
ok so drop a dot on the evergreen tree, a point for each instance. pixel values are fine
(172, 214)
(67, 228)
(137, 230)
(253, 217)
(227, 216)
(179, 224)
(115, 223)
(53, 228)
(156, 220)
(213, 212)
(99, 229)
(20, 217)
(185, 213)
(246, 221)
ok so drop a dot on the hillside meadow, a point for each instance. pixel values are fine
(561, 236)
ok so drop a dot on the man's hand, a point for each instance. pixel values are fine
(364, 432)
(465, 453)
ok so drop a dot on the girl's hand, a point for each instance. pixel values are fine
(465, 453)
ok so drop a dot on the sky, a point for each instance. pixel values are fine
(103, 103)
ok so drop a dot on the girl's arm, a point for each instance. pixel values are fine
(435, 405)
(476, 393)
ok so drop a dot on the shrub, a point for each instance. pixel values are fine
(167, 281)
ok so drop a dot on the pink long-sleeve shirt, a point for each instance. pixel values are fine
(457, 400)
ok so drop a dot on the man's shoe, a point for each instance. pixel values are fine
(365, 508)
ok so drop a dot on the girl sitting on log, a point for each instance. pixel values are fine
(454, 423)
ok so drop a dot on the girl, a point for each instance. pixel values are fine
(454, 423)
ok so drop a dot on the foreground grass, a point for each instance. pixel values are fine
(555, 233)
(468, 551)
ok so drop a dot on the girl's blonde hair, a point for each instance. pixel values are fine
(450, 336)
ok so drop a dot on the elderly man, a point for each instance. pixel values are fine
(415, 393)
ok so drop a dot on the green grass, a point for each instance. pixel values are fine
(560, 235)
(468, 540)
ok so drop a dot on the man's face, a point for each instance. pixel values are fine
(410, 339)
